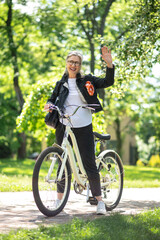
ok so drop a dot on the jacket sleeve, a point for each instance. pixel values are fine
(55, 93)
(107, 81)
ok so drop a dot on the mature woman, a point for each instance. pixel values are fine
(74, 90)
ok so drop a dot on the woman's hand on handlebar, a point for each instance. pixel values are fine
(47, 107)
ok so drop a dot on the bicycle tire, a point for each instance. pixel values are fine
(44, 187)
(111, 178)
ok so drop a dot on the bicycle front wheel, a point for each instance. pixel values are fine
(111, 178)
(45, 184)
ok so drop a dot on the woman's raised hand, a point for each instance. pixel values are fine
(107, 57)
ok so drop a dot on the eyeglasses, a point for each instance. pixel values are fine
(74, 63)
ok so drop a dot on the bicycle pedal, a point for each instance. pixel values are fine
(92, 201)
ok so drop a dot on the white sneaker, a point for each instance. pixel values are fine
(101, 208)
(57, 203)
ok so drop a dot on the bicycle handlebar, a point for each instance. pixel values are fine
(88, 106)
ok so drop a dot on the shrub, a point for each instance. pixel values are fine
(5, 150)
(154, 161)
(140, 163)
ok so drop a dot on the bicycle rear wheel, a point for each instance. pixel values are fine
(111, 177)
(45, 184)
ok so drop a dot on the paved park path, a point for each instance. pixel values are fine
(18, 209)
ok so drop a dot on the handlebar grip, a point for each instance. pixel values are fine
(52, 107)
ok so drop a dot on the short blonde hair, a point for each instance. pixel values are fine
(74, 53)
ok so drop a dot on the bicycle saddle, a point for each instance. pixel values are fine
(102, 136)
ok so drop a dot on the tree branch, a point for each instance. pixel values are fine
(105, 14)
(122, 34)
(94, 23)
(82, 25)
(2, 19)
(21, 41)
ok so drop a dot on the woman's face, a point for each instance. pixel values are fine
(73, 66)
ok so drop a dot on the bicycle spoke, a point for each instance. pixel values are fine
(45, 183)
(111, 176)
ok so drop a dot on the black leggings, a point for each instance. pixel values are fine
(85, 141)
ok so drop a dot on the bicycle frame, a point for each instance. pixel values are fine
(68, 151)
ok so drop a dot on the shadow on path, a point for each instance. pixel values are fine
(18, 210)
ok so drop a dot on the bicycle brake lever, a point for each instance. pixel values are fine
(52, 107)
(90, 108)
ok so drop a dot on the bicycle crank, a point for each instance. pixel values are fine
(78, 188)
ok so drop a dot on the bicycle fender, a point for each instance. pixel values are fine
(107, 151)
(56, 145)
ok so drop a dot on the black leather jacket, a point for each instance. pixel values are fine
(88, 94)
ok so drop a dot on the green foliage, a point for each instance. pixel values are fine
(146, 150)
(116, 226)
(140, 163)
(136, 49)
(5, 150)
(9, 113)
(33, 145)
(154, 161)
(32, 116)
(140, 41)
(99, 124)
(43, 35)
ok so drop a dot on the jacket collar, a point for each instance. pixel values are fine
(64, 78)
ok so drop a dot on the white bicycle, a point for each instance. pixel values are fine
(56, 165)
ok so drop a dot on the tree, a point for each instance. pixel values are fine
(13, 56)
(25, 55)
(149, 112)
(136, 50)
(41, 40)
(92, 19)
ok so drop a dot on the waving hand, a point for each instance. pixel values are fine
(106, 55)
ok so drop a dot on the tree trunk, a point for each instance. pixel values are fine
(92, 62)
(21, 154)
(13, 52)
(94, 29)
(118, 136)
(101, 93)
(100, 31)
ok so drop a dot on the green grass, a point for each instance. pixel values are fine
(141, 177)
(144, 226)
(17, 176)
